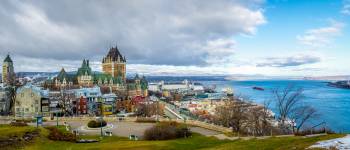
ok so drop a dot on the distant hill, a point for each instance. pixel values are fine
(329, 78)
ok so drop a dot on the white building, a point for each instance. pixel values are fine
(171, 86)
(29, 101)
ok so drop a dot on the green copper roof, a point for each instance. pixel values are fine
(85, 68)
(8, 59)
(108, 77)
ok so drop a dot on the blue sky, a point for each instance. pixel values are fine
(197, 37)
(286, 20)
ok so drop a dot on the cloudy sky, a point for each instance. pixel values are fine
(185, 37)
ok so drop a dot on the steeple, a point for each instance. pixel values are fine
(8, 59)
(84, 63)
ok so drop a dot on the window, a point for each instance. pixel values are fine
(18, 109)
(36, 109)
(27, 109)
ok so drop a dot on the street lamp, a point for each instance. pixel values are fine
(58, 107)
(101, 120)
(157, 115)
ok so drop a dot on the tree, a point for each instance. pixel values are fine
(291, 108)
(233, 114)
(148, 109)
(11, 95)
(303, 115)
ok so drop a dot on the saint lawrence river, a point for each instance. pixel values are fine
(333, 104)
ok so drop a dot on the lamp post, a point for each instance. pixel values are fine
(157, 115)
(101, 120)
(58, 107)
(56, 118)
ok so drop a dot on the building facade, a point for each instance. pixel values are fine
(113, 76)
(29, 100)
(114, 64)
(4, 101)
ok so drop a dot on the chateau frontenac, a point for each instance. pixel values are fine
(113, 76)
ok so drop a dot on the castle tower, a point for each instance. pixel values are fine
(8, 73)
(114, 64)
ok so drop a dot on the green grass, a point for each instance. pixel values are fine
(276, 143)
(8, 131)
(195, 142)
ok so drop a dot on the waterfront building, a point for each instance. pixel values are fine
(176, 86)
(31, 101)
(8, 73)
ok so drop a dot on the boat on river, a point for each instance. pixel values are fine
(258, 88)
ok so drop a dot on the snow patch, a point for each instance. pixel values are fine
(339, 143)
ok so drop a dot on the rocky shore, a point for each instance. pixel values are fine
(340, 84)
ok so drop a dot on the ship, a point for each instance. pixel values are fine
(258, 88)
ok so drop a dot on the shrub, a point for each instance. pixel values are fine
(58, 135)
(166, 131)
(183, 131)
(96, 124)
(18, 124)
(314, 131)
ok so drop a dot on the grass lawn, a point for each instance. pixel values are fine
(9, 131)
(195, 142)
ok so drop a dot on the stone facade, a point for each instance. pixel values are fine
(29, 101)
(8, 73)
(114, 64)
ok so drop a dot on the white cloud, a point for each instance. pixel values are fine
(147, 32)
(321, 37)
(289, 61)
(346, 7)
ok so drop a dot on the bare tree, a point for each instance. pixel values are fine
(302, 115)
(148, 110)
(11, 95)
(291, 109)
(233, 114)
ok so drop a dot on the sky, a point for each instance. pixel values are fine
(184, 37)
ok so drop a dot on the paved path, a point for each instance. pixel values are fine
(125, 129)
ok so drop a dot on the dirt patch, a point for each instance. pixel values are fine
(18, 141)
